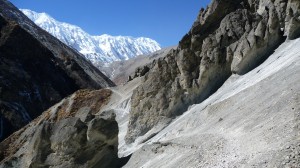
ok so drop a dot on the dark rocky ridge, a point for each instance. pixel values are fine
(36, 70)
(227, 37)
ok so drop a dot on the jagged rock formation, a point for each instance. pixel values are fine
(120, 71)
(36, 70)
(253, 120)
(227, 37)
(70, 134)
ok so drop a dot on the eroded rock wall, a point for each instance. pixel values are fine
(227, 37)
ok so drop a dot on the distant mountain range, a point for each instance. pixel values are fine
(97, 49)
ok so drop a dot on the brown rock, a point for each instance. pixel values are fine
(60, 137)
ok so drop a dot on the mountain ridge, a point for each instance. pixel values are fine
(100, 48)
(36, 70)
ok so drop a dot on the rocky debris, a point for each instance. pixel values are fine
(229, 37)
(73, 133)
(292, 157)
(36, 70)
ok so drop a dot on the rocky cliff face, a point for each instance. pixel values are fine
(229, 37)
(253, 120)
(70, 134)
(36, 70)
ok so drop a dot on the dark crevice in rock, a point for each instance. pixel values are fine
(123, 161)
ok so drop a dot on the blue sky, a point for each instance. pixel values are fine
(165, 21)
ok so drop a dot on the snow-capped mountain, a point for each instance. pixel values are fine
(97, 49)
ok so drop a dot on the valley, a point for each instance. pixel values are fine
(228, 95)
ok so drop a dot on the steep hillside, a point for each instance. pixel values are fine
(36, 70)
(79, 131)
(229, 37)
(98, 49)
(253, 120)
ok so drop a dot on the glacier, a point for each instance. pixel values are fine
(102, 49)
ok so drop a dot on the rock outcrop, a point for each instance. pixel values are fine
(36, 70)
(121, 71)
(229, 37)
(253, 120)
(70, 134)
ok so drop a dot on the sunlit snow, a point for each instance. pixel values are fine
(104, 48)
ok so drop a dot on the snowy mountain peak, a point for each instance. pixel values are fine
(98, 49)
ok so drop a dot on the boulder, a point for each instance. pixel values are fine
(63, 137)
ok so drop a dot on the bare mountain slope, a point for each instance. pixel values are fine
(36, 70)
(229, 37)
(253, 120)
